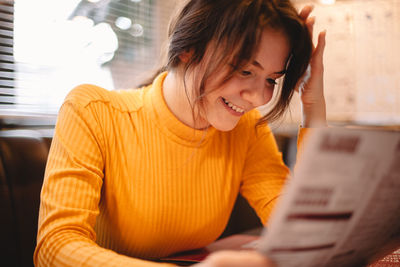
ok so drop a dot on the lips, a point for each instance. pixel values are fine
(232, 106)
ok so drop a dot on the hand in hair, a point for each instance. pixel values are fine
(311, 86)
(236, 259)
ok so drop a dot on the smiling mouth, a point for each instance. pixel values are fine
(232, 106)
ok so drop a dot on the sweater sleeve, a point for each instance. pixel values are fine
(71, 193)
(265, 172)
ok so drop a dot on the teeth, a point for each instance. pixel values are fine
(232, 106)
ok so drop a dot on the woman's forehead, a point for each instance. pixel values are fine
(273, 50)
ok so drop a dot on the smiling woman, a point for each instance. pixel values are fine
(226, 101)
(136, 175)
(228, 44)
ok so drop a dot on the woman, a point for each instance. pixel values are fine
(137, 175)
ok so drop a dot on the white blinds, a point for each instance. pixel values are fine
(48, 47)
(6, 52)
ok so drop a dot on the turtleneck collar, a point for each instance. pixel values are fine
(168, 122)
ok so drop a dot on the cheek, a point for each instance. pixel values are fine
(230, 89)
(234, 86)
(223, 91)
(268, 95)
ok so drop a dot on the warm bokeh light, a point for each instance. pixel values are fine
(327, 2)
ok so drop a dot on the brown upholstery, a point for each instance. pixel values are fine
(243, 217)
(23, 155)
(8, 244)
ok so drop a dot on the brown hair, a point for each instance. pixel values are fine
(233, 29)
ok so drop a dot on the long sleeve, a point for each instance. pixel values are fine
(123, 167)
(264, 173)
(71, 193)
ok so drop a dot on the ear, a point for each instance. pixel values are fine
(185, 56)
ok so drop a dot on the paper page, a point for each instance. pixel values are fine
(342, 205)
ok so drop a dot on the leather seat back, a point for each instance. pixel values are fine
(23, 159)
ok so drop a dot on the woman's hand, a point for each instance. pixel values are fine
(229, 258)
(311, 86)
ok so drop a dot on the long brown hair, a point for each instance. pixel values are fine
(233, 29)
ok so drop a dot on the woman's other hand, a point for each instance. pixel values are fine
(311, 86)
(229, 258)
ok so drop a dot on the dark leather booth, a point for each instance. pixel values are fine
(23, 155)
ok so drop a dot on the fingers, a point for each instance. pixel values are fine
(316, 67)
(305, 16)
(305, 12)
(319, 50)
(310, 25)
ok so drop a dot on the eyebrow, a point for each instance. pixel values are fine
(258, 65)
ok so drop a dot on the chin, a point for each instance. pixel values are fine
(224, 127)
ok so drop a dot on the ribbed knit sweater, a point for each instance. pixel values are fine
(127, 182)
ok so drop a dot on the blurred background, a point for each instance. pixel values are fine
(47, 47)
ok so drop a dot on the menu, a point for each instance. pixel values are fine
(342, 205)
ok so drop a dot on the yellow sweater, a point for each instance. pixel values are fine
(126, 181)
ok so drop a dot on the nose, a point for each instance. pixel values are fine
(257, 95)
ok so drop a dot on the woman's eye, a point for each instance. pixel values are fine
(245, 73)
(271, 81)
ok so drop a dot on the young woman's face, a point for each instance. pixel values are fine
(250, 87)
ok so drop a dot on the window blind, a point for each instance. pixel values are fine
(6, 52)
(48, 47)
